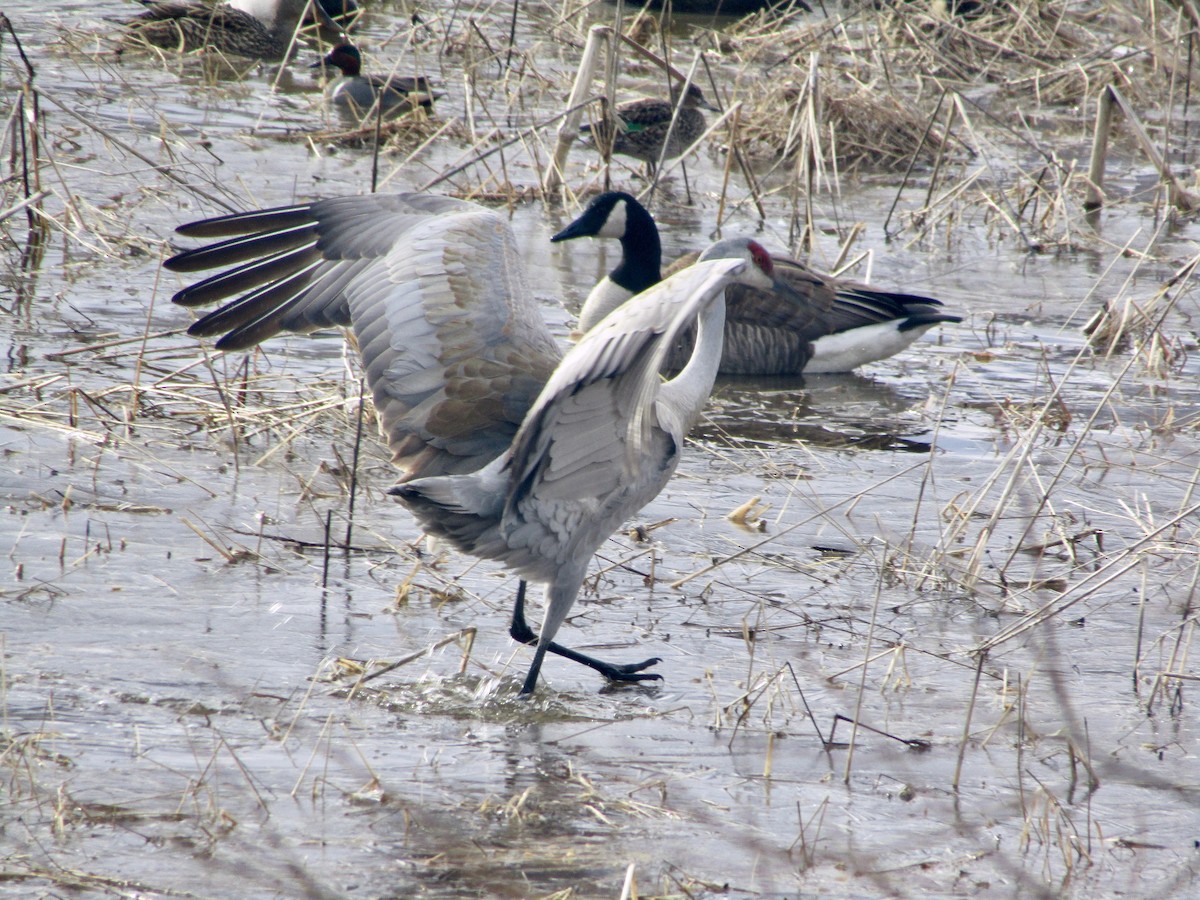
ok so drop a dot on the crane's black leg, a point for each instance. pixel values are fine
(520, 631)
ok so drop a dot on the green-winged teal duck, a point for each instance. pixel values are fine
(643, 125)
(356, 94)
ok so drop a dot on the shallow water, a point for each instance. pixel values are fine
(171, 717)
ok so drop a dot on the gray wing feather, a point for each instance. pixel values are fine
(610, 379)
(453, 347)
(455, 351)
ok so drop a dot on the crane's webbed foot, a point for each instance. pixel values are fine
(520, 632)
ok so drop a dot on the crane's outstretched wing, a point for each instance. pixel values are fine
(600, 441)
(590, 429)
(453, 347)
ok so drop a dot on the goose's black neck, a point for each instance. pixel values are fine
(641, 251)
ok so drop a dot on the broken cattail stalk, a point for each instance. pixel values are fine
(568, 131)
(1095, 190)
(1179, 196)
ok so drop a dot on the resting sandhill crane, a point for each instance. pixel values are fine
(839, 326)
(507, 449)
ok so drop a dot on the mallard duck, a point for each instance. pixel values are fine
(643, 125)
(357, 94)
(188, 25)
(840, 326)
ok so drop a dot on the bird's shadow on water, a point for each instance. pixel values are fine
(832, 411)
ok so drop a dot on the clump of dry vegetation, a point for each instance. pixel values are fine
(403, 134)
(880, 74)
(858, 129)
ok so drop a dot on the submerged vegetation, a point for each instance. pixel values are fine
(927, 624)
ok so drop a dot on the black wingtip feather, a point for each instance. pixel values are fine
(236, 250)
(259, 273)
(273, 219)
(922, 319)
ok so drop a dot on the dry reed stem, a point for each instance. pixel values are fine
(466, 637)
(862, 682)
(1018, 461)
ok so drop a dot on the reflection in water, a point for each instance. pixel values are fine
(834, 411)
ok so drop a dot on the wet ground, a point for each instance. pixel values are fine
(982, 551)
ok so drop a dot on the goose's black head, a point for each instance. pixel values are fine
(616, 214)
(610, 215)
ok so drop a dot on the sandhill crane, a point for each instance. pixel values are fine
(508, 450)
(839, 326)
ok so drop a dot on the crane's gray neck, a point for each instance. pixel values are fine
(681, 399)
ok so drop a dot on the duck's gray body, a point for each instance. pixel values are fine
(357, 95)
